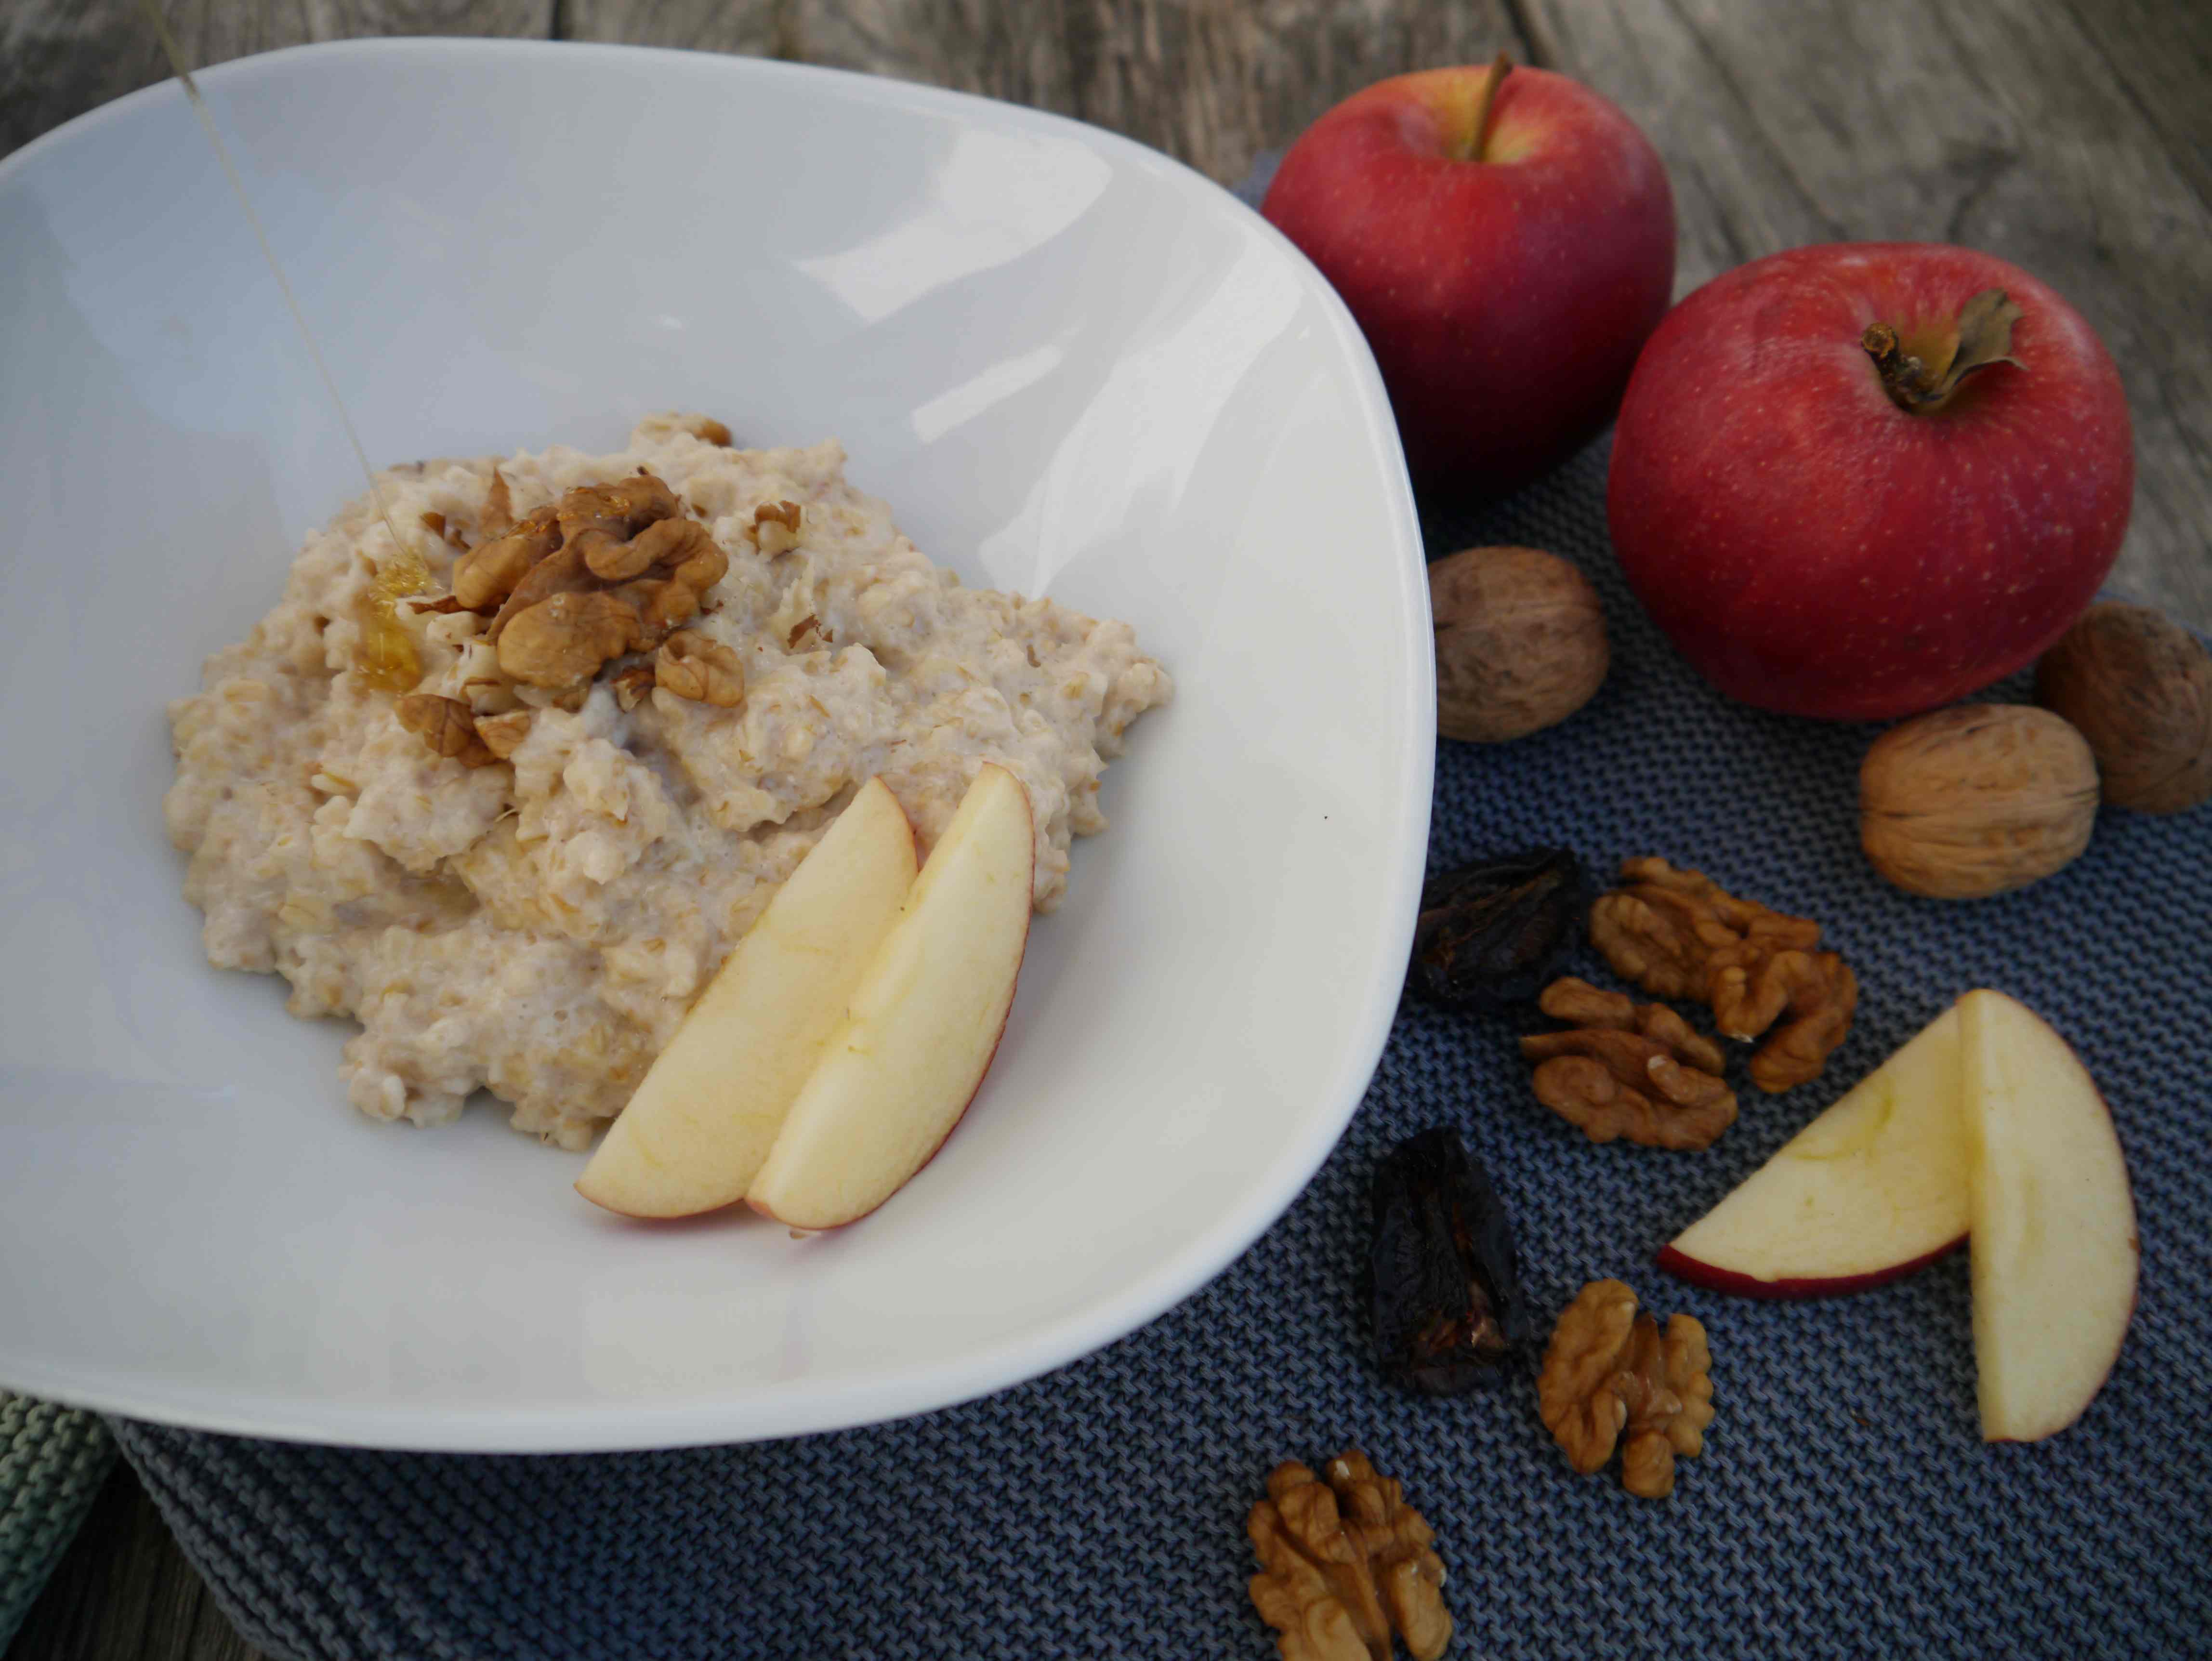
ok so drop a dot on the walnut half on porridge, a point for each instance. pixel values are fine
(509, 794)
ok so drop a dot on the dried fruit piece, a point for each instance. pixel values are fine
(1444, 1278)
(1343, 1565)
(1494, 932)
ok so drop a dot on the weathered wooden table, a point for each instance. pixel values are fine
(2073, 136)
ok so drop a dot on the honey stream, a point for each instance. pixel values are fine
(387, 658)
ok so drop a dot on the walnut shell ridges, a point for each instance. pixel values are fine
(1976, 799)
(1520, 639)
(2139, 687)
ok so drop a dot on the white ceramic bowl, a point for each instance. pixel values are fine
(1070, 364)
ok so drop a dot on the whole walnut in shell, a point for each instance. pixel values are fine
(1976, 799)
(2139, 687)
(1520, 642)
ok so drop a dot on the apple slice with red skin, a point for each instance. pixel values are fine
(1872, 1189)
(923, 1025)
(2055, 1250)
(693, 1136)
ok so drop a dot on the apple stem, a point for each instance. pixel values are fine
(1980, 336)
(1500, 67)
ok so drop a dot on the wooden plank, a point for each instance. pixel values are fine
(61, 57)
(1211, 82)
(2159, 52)
(1998, 124)
(124, 1593)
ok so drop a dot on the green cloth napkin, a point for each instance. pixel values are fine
(53, 1460)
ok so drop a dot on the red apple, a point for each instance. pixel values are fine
(1506, 256)
(1825, 527)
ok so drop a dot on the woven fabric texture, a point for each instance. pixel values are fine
(53, 1460)
(1845, 1507)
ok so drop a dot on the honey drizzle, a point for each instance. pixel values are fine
(389, 659)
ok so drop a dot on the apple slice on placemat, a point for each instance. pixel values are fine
(1873, 1189)
(2053, 1221)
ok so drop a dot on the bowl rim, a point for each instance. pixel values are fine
(802, 1407)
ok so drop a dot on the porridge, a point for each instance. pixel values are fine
(508, 795)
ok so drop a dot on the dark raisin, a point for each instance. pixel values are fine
(1443, 1278)
(1496, 932)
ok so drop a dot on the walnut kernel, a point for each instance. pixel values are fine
(1976, 799)
(446, 726)
(2138, 687)
(1520, 642)
(1678, 933)
(776, 528)
(690, 665)
(1612, 1379)
(567, 637)
(1344, 1564)
(1631, 1070)
(503, 734)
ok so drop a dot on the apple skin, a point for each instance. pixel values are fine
(1813, 549)
(1784, 1291)
(1505, 299)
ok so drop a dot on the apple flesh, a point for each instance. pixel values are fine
(924, 1023)
(1813, 547)
(1873, 1189)
(1505, 268)
(695, 1132)
(2054, 1250)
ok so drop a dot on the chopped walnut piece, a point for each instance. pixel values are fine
(503, 734)
(1610, 1376)
(436, 524)
(712, 431)
(1345, 1563)
(446, 726)
(621, 509)
(1816, 991)
(631, 686)
(1678, 934)
(488, 573)
(690, 665)
(567, 638)
(1628, 1069)
(622, 553)
(775, 527)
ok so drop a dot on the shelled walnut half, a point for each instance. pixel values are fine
(1612, 1379)
(1628, 1069)
(1345, 1563)
(1678, 933)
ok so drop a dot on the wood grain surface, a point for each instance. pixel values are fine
(2073, 136)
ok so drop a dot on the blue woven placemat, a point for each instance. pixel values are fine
(1846, 1506)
